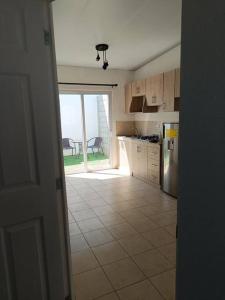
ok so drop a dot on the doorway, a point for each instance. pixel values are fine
(86, 131)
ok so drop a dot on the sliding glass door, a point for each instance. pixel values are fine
(97, 121)
(86, 131)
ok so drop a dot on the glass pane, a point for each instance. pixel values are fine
(72, 133)
(97, 120)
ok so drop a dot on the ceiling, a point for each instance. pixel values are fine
(136, 30)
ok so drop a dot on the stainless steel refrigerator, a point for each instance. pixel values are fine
(170, 158)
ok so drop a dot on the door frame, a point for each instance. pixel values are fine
(82, 93)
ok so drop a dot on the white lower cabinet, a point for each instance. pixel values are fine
(125, 156)
(141, 159)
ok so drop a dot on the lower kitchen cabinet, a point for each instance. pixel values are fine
(125, 155)
(141, 159)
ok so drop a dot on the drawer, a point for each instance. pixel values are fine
(154, 178)
(154, 175)
(154, 153)
(153, 165)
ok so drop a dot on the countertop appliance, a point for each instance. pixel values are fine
(154, 138)
(170, 158)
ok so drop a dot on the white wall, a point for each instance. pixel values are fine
(168, 61)
(97, 75)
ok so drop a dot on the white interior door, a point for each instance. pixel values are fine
(31, 258)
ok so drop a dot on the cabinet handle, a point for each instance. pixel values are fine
(138, 90)
(154, 99)
(138, 149)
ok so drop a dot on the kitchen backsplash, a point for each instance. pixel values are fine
(143, 127)
(148, 127)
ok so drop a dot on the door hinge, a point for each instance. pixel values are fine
(59, 183)
(47, 37)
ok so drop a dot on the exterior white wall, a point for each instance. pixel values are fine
(71, 117)
(95, 75)
(168, 61)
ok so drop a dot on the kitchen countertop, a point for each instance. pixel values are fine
(135, 139)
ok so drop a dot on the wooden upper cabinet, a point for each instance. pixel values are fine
(128, 97)
(154, 90)
(138, 88)
(177, 83)
(168, 91)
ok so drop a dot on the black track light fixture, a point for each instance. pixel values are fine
(98, 56)
(102, 48)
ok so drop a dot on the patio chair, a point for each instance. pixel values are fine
(67, 145)
(95, 143)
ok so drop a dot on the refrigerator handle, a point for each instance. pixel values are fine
(170, 145)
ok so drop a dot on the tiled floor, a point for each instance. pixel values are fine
(122, 238)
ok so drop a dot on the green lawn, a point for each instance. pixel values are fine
(76, 160)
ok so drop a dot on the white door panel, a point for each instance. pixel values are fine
(31, 265)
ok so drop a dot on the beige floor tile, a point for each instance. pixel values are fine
(122, 230)
(109, 253)
(123, 273)
(143, 225)
(133, 214)
(78, 243)
(71, 218)
(90, 225)
(102, 210)
(111, 219)
(149, 210)
(96, 203)
(83, 261)
(152, 262)
(165, 283)
(84, 214)
(165, 218)
(140, 291)
(112, 296)
(98, 237)
(171, 229)
(135, 244)
(169, 251)
(159, 237)
(91, 285)
(75, 207)
(74, 229)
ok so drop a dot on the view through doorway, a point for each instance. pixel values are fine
(86, 131)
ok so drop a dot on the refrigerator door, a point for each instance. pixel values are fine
(170, 158)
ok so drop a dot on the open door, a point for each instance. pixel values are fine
(33, 244)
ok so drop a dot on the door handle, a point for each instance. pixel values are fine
(170, 145)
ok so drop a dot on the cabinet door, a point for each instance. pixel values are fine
(154, 163)
(138, 88)
(177, 83)
(124, 156)
(128, 97)
(139, 158)
(154, 90)
(168, 91)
